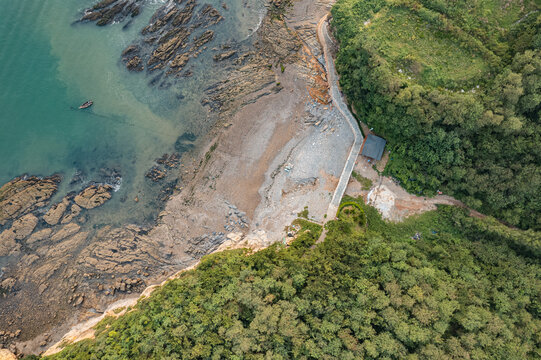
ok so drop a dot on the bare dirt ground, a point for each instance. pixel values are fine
(392, 201)
(281, 153)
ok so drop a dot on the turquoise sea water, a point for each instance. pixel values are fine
(49, 66)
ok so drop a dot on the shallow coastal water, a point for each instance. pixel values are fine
(49, 66)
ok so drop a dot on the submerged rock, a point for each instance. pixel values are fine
(107, 11)
(174, 36)
(224, 55)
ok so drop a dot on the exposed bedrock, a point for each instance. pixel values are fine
(40, 243)
(177, 32)
(275, 45)
(25, 194)
(107, 11)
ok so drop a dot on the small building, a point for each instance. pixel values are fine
(373, 147)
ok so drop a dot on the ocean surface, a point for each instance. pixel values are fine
(49, 65)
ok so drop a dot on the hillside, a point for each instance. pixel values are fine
(455, 87)
(441, 285)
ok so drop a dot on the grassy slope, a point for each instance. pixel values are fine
(455, 55)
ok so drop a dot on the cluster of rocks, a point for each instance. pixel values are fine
(235, 218)
(123, 285)
(6, 340)
(43, 245)
(107, 11)
(25, 194)
(164, 163)
(23, 222)
(177, 32)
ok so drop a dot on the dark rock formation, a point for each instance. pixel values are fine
(107, 11)
(253, 77)
(164, 164)
(176, 34)
(202, 245)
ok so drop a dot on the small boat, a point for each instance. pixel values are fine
(86, 104)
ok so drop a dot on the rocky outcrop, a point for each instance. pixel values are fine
(19, 230)
(55, 213)
(25, 194)
(120, 251)
(93, 196)
(163, 165)
(75, 210)
(203, 245)
(275, 45)
(107, 11)
(5, 354)
(176, 34)
(135, 64)
(224, 55)
(40, 244)
(39, 236)
(65, 231)
(24, 226)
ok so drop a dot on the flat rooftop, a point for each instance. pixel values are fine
(373, 147)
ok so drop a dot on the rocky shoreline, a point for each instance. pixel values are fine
(67, 266)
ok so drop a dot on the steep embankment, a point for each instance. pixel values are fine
(455, 89)
(430, 287)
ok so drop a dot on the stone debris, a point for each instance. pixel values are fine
(235, 218)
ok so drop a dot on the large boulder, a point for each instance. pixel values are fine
(5, 354)
(93, 196)
(53, 216)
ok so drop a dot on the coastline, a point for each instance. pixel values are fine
(277, 150)
(254, 175)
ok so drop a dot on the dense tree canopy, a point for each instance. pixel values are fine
(455, 87)
(463, 288)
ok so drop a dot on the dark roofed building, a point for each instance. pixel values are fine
(373, 147)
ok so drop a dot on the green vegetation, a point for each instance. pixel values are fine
(352, 212)
(208, 154)
(466, 288)
(366, 183)
(455, 88)
(303, 213)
